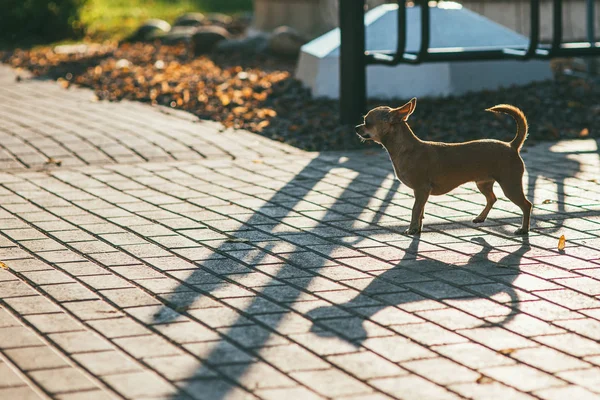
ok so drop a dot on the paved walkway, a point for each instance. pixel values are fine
(252, 270)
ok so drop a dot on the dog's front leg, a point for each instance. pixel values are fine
(416, 222)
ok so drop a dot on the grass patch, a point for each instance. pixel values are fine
(116, 19)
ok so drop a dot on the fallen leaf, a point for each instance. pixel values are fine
(3, 266)
(482, 380)
(561, 243)
(63, 83)
(52, 161)
(257, 161)
(547, 201)
(584, 132)
(506, 352)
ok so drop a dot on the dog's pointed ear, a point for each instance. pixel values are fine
(403, 112)
(413, 103)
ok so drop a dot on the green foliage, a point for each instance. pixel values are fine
(224, 6)
(46, 20)
(117, 19)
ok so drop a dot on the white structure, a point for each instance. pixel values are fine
(451, 26)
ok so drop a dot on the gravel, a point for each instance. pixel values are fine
(259, 93)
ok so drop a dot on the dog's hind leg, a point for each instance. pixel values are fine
(513, 189)
(487, 188)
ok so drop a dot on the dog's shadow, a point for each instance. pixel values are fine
(353, 328)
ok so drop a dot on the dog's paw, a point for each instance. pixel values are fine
(412, 231)
(478, 220)
(522, 231)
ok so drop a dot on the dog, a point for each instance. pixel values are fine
(435, 168)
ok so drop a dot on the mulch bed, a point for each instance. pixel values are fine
(260, 94)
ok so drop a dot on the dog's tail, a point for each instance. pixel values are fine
(522, 127)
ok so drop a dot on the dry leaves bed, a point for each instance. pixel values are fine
(260, 94)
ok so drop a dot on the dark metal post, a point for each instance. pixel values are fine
(557, 32)
(353, 65)
(591, 33)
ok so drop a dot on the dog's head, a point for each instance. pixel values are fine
(380, 121)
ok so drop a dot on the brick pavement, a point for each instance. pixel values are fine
(40, 120)
(283, 274)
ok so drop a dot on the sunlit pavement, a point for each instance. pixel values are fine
(164, 259)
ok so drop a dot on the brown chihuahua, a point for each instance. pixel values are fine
(433, 168)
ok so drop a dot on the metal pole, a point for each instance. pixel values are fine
(591, 34)
(353, 65)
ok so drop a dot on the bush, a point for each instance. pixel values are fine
(44, 20)
(225, 5)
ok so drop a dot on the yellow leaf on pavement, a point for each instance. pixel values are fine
(3, 266)
(561, 243)
(506, 352)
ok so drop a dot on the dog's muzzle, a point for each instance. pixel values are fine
(359, 132)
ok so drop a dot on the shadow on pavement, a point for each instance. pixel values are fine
(360, 190)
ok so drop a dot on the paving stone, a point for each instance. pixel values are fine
(15, 289)
(147, 346)
(32, 358)
(331, 383)
(522, 377)
(187, 332)
(140, 384)
(219, 352)
(237, 279)
(9, 377)
(21, 393)
(473, 355)
(78, 342)
(69, 292)
(548, 360)
(92, 309)
(412, 387)
(299, 393)
(366, 365)
(53, 323)
(103, 363)
(181, 367)
(62, 380)
(572, 391)
(587, 378)
(207, 389)
(428, 334)
(18, 336)
(256, 375)
(492, 391)
(442, 371)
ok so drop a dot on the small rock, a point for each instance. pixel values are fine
(247, 46)
(150, 30)
(219, 19)
(179, 34)
(191, 19)
(286, 41)
(71, 49)
(205, 38)
(122, 63)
